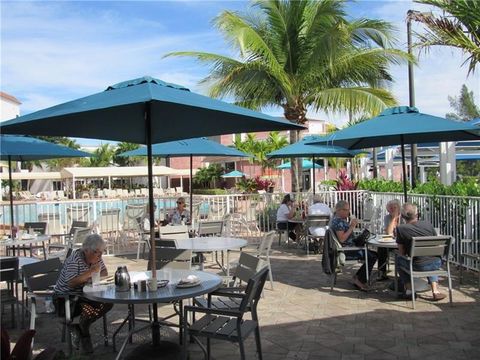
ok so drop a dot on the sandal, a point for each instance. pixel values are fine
(438, 297)
(359, 285)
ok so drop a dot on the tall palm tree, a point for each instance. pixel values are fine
(126, 160)
(458, 27)
(302, 55)
(103, 156)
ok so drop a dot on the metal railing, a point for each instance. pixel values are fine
(455, 216)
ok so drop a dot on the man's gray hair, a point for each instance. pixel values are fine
(93, 242)
(409, 211)
(341, 204)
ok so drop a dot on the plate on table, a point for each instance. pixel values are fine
(189, 281)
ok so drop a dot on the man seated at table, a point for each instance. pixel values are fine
(286, 212)
(76, 272)
(404, 234)
(318, 208)
(180, 215)
(344, 232)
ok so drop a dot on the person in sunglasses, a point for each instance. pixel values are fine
(180, 215)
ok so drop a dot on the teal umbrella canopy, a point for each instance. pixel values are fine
(122, 113)
(195, 147)
(303, 149)
(233, 174)
(399, 125)
(25, 148)
(306, 164)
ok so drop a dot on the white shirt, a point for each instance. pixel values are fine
(282, 213)
(319, 209)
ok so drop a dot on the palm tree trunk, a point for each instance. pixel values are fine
(296, 168)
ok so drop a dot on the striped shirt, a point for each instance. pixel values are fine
(74, 266)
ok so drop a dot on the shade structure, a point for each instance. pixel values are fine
(145, 111)
(306, 164)
(401, 125)
(189, 147)
(233, 174)
(25, 148)
(303, 149)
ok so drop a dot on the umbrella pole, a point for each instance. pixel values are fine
(10, 182)
(404, 169)
(191, 187)
(313, 178)
(148, 120)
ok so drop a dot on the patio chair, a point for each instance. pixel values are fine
(142, 236)
(40, 278)
(227, 325)
(109, 226)
(78, 231)
(470, 255)
(170, 232)
(38, 227)
(428, 246)
(78, 213)
(9, 293)
(263, 252)
(334, 256)
(316, 221)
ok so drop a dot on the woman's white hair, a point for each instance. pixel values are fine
(93, 242)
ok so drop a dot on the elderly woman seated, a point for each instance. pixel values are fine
(76, 272)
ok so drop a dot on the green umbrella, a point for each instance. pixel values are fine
(144, 111)
(401, 125)
(24, 148)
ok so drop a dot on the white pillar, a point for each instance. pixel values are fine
(109, 183)
(389, 154)
(422, 174)
(364, 174)
(73, 188)
(447, 163)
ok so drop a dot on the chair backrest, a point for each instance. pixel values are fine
(254, 290)
(77, 225)
(9, 270)
(170, 258)
(173, 232)
(42, 275)
(165, 243)
(247, 267)
(318, 220)
(39, 227)
(266, 244)
(80, 213)
(132, 212)
(79, 236)
(109, 220)
(210, 228)
(431, 246)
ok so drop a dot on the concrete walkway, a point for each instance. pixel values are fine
(301, 319)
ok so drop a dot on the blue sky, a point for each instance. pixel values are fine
(55, 51)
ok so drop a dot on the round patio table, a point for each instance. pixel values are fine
(212, 243)
(171, 292)
(381, 241)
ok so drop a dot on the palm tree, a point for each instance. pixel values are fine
(302, 55)
(458, 27)
(103, 156)
(124, 160)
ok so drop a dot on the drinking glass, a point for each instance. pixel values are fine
(95, 278)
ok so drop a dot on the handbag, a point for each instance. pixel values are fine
(361, 239)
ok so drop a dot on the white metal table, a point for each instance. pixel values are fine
(27, 239)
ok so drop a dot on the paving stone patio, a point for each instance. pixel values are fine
(301, 319)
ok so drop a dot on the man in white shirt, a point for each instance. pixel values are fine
(318, 208)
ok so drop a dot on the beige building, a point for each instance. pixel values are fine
(9, 106)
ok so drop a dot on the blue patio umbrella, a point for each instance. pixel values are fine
(233, 174)
(304, 149)
(189, 147)
(24, 148)
(306, 164)
(144, 111)
(401, 125)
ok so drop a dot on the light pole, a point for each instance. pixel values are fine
(411, 94)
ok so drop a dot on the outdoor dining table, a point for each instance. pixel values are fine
(27, 239)
(201, 245)
(388, 242)
(171, 292)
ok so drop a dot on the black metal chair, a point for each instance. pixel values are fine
(227, 325)
(9, 295)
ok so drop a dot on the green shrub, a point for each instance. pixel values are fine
(380, 185)
(210, 191)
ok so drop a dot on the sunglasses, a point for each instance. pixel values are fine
(179, 202)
